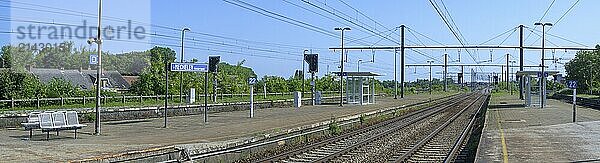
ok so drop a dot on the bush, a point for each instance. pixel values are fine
(334, 127)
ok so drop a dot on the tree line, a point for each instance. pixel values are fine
(150, 66)
(585, 69)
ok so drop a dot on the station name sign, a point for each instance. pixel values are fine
(189, 67)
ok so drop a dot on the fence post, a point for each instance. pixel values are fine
(123, 99)
(37, 99)
(141, 99)
(12, 102)
(156, 97)
(62, 101)
(83, 100)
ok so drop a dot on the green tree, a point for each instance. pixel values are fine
(152, 78)
(19, 85)
(58, 87)
(5, 57)
(585, 68)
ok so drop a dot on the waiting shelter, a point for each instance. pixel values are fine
(532, 86)
(360, 87)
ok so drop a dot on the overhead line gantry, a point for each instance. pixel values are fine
(402, 47)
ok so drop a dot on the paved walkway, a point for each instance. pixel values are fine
(513, 133)
(120, 137)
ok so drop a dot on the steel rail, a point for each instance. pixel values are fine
(239, 148)
(287, 154)
(467, 131)
(435, 132)
(380, 135)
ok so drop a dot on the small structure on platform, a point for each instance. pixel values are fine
(360, 87)
(531, 91)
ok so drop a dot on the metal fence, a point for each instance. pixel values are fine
(61, 101)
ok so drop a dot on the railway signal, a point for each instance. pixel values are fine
(313, 62)
(213, 61)
(313, 67)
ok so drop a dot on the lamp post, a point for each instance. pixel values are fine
(543, 96)
(342, 65)
(512, 62)
(358, 65)
(430, 85)
(181, 60)
(98, 42)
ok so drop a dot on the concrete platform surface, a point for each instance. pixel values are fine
(127, 136)
(513, 133)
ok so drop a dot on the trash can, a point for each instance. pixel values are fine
(297, 99)
(192, 96)
(318, 96)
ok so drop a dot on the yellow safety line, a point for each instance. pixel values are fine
(504, 150)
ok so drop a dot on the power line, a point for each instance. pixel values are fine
(412, 30)
(450, 28)
(541, 18)
(454, 23)
(503, 33)
(349, 21)
(361, 13)
(133, 22)
(559, 19)
(281, 18)
(225, 51)
(559, 37)
(566, 12)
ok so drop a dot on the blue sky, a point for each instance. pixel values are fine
(273, 47)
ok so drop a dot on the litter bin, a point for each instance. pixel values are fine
(297, 99)
(192, 96)
(318, 96)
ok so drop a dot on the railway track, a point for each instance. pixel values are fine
(427, 132)
(443, 144)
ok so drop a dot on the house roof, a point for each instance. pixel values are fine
(83, 79)
(73, 76)
(114, 77)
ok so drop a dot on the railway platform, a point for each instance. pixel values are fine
(513, 133)
(222, 129)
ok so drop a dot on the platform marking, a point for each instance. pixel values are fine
(504, 150)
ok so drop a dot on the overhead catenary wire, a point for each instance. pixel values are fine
(346, 19)
(559, 19)
(72, 13)
(541, 18)
(452, 31)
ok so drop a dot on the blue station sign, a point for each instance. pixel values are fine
(189, 67)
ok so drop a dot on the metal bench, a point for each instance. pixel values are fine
(73, 122)
(47, 124)
(33, 122)
(53, 121)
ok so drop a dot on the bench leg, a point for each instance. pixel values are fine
(47, 135)
(56, 132)
(30, 133)
(75, 133)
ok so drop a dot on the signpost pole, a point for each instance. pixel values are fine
(573, 85)
(251, 82)
(574, 103)
(312, 82)
(205, 97)
(166, 91)
(251, 100)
